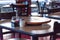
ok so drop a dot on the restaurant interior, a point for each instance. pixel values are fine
(29, 19)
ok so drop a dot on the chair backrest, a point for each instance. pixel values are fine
(23, 9)
(57, 27)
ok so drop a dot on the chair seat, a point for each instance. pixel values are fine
(17, 39)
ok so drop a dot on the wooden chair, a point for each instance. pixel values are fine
(56, 31)
(23, 10)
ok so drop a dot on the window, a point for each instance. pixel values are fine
(7, 1)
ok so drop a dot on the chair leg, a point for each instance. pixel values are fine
(45, 38)
(15, 35)
(12, 35)
(41, 38)
(53, 37)
(1, 34)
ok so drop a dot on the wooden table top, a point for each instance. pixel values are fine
(41, 29)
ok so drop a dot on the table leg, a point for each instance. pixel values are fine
(1, 34)
(34, 38)
(51, 37)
